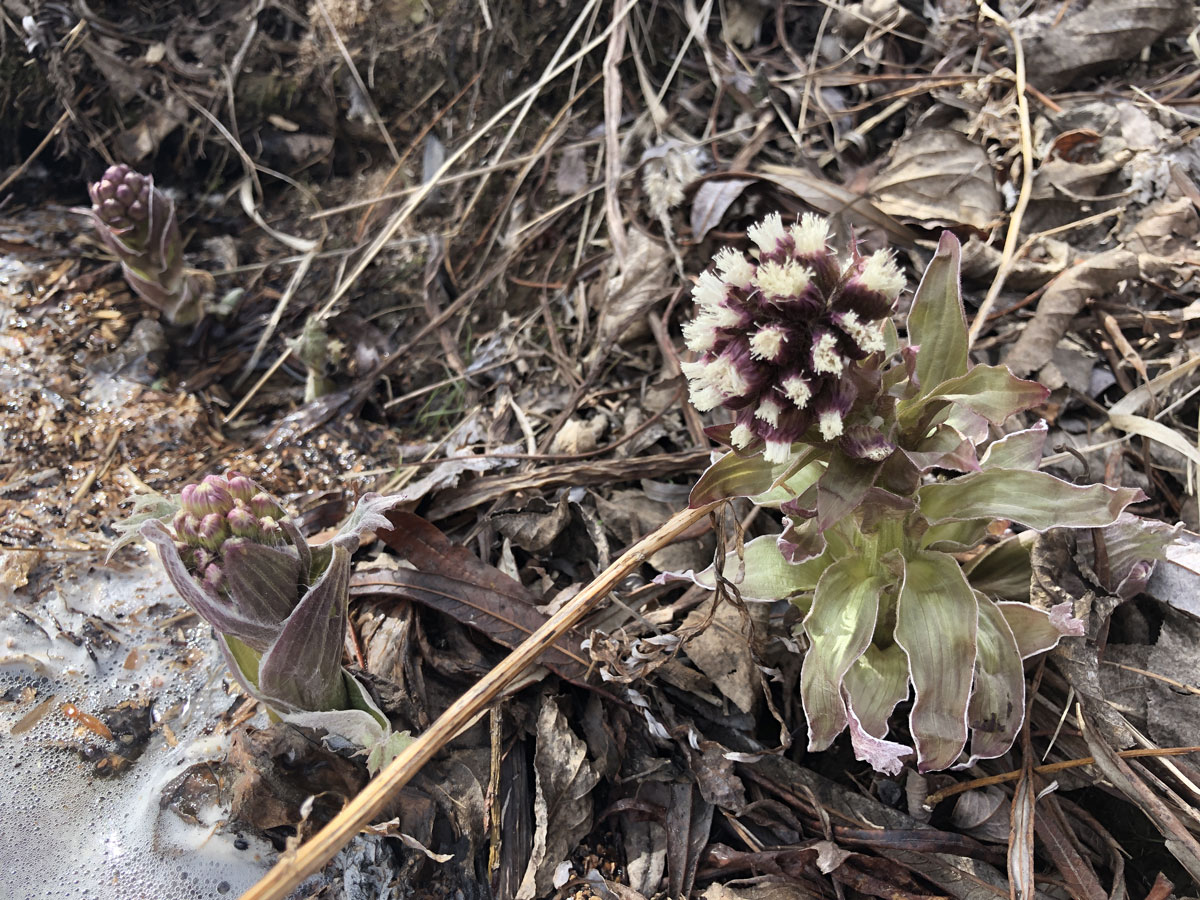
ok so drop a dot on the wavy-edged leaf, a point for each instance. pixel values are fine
(936, 623)
(991, 391)
(944, 448)
(1036, 630)
(1003, 571)
(302, 669)
(741, 476)
(1018, 450)
(874, 685)
(839, 625)
(998, 698)
(451, 579)
(764, 574)
(937, 324)
(217, 612)
(1037, 500)
(802, 542)
(955, 537)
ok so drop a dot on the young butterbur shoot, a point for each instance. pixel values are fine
(136, 221)
(885, 460)
(278, 604)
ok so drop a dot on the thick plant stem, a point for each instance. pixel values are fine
(324, 845)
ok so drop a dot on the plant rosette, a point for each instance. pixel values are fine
(278, 604)
(888, 465)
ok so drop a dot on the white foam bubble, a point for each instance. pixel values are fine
(69, 834)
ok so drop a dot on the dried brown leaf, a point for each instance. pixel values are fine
(938, 177)
(452, 580)
(562, 799)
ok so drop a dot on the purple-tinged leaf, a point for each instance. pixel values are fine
(218, 613)
(992, 392)
(1018, 450)
(843, 486)
(873, 686)
(936, 623)
(1037, 631)
(264, 582)
(1037, 500)
(303, 668)
(1133, 546)
(763, 575)
(998, 699)
(945, 448)
(839, 625)
(802, 541)
(1003, 571)
(937, 325)
(742, 476)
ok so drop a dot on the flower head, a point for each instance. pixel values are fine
(136, 221)
(776, 335)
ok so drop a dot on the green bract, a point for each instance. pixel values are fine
(877, 527)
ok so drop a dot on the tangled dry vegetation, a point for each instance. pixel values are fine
(448, 245)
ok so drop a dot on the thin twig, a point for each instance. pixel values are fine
(1009, 255)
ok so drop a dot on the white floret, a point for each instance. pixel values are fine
(777, 451)
(797, 390)
(782, 280)
(811, 234)
(767, 343)
(881, 274)
(830, 423)
(734, 267)
(709, 290)
(768, 233)
(741, 436)
(769, 411)
(826, 360)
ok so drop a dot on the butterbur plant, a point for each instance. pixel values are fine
(136, 221)
(888, 463)
(277, 603)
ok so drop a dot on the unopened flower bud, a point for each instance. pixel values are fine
(210, 496)
(864, 442)
(264, 507)
(242, 522)
(214, 578)
(241, 487)
(212, 531)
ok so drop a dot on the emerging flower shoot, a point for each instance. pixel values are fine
(884, 548)
(136, 221)
(277, 603)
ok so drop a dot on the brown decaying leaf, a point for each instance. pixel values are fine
(938, 177)
(450, 579)
(562, 802)
(1062, 301)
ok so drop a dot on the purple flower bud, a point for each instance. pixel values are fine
(242, 522)
(263, 506)
(864, 442)
(214, 578)
(241, 487)
(271, 532)
(210, 496)
(211, 531)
